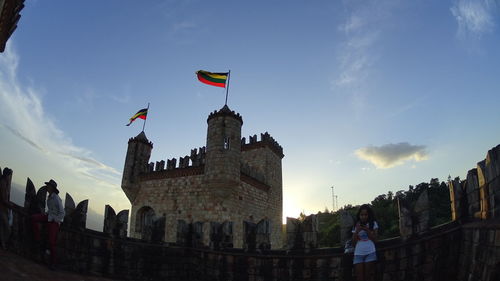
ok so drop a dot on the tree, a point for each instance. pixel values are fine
(385, 207)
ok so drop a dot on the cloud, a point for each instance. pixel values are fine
(390, 155)
(354, 23)
(182, 26)
(367, 22)
(474, 17)
(125, 98)
(27, 140)
(363, 28)
(23, 116)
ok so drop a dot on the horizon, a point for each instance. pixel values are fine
(365, 96)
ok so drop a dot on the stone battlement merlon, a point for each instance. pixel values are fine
(140, 140)
(173, 173)
(265, 140)
(225, 111)
(477, 197)
(196, 159)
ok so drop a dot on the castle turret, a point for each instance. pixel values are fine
(136, 163)
(222, 166)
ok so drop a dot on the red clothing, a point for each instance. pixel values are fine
(52, 229)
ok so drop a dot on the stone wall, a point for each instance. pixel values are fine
(267, 162)
(448, 252)
(479, 251)
(176, 198)
(468, 248)
(226, 181)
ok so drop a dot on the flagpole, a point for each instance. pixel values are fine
(144, 125)
(227, 87)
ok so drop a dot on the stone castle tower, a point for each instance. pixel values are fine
(229, 182)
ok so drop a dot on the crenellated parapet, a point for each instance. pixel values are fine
(5, 182)
(221, 235)
(414, 219)
(115, 225)
(190, 234)
(472, 191)
(177, 167)
(491, 179)
(198, 156)
(266, 140)
(142, 139)
(257, 236)
(458, 199)
(31, 204)
(346, 225)
(478, 197)
(302, 235)
(195, 159)
(225, 111)
(75, 217)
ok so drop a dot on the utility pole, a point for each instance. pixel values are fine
(333, 200)
(336, 202)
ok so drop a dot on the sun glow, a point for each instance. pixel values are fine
(290, 209)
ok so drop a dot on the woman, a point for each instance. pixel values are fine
(364, 236)
(53, 218)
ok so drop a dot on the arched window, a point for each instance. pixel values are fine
(144, 222)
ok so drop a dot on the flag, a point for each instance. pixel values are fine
(214, 79)
(142, 114)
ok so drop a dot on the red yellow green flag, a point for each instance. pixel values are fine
(215, 79)
(141, 114)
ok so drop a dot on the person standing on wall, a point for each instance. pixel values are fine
(364, 236)
(53, 218)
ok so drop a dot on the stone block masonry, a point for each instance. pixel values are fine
(227, 180)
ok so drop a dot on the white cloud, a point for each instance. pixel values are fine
(22, 114)
(390, 155)
(44, 149)
(365, 25)
(182, 26)
(474, 17)
(354, 23)
(125, 98)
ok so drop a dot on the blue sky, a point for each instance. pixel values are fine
(367, 96)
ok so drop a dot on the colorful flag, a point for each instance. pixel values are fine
(142, 114)
(214, 79)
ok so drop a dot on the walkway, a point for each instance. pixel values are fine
(17, 268)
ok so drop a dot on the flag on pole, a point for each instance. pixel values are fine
(215, 79)
(141, 114)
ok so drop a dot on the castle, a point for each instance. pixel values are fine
(225, 187)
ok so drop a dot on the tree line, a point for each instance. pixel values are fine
(385, 207)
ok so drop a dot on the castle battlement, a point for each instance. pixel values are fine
(266, 140)
(141, 138)
(225, 111)
(196, 159)
(173, 173)
(225, 180)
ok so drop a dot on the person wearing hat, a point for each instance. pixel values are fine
(53, 218)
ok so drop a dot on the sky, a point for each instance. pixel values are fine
(365, 96)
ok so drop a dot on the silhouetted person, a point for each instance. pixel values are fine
(53, 218)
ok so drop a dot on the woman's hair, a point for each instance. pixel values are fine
(371, 215)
